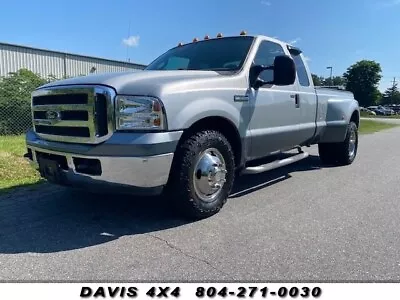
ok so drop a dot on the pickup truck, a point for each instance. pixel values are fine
(197, 117)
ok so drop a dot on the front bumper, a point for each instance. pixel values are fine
(137, 163)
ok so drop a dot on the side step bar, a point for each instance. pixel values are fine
(275, 164)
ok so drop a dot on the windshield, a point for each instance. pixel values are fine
(224, 54)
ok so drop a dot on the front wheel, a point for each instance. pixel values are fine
(343, 153)
(202, 175)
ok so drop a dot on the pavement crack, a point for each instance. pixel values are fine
(189, 255)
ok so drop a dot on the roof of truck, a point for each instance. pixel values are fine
(272, 39)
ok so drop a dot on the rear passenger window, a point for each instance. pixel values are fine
(266, 54)
(301, 70)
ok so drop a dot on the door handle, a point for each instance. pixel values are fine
(296, 98)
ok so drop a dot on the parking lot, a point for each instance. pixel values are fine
(304, 222)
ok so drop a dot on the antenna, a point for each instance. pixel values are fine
(127, 47)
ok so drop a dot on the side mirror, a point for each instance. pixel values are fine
(284, 72)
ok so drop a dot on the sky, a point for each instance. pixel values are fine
(330, 33)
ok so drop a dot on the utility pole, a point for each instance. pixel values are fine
(330, 77)
(393, 87)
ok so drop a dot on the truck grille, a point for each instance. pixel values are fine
(78, 114)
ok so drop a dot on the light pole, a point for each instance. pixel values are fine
(330, 78)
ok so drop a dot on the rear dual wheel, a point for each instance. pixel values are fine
(343, 153)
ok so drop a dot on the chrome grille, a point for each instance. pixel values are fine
(74, 114)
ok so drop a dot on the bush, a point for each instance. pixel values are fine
(15, 116)
(15, 101)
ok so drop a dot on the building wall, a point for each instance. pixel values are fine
(58, 64)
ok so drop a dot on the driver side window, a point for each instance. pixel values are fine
(267, 51)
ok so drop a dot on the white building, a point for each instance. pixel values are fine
(59, 64)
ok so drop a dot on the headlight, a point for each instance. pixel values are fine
(139, 112)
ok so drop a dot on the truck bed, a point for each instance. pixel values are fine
(335, 108)
(333, 92)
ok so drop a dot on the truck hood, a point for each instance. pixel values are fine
(153, 83)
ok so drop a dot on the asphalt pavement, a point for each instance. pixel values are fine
(304, 222)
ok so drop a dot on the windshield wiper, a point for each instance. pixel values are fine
(211, 69)
(221, 69)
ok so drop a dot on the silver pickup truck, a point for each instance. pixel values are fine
(197, 117)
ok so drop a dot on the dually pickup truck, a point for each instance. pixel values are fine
(193, 120)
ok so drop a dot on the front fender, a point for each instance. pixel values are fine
(183, 116)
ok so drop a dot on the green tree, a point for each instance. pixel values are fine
(362, 79)
(338, 81)
(316, 79)
(15, 98)
(321, 81)
(391, 95)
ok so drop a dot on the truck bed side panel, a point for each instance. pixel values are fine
(335, 109)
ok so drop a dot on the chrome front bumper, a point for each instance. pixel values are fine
(138, 174)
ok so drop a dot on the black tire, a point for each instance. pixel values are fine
(326, 153)
(340, 153)
(181, 186)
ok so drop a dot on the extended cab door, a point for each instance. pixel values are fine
(275, 117)
(306, 100)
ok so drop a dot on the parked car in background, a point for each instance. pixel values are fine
(376, 110)
(387, 110)
(381, 111)
(368, 111)
(395, 108)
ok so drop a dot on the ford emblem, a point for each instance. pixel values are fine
(52, 115)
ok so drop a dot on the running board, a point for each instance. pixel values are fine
(275, 164)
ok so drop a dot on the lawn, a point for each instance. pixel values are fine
(14, 170)
(371, 126)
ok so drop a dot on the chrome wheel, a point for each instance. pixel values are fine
(352, 143)
(209, 174)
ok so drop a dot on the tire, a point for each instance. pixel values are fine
(188, 188)
(326, 153)
(343, 153)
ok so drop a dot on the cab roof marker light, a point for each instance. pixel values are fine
(219, 35)
(243, 32)
(207, 37)
(195, 40)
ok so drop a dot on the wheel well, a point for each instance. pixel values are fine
(355, 117)
(222, 125)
